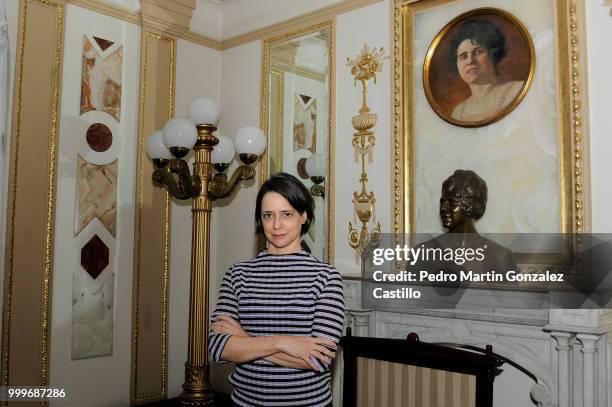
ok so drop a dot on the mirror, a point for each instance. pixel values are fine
(296, 100)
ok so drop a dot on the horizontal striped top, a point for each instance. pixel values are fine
(291, 294)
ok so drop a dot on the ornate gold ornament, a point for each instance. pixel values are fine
(363, 68)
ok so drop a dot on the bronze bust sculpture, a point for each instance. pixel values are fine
(463, 201)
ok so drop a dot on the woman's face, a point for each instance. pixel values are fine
(282, 224)
(451, 211)
(474, 64)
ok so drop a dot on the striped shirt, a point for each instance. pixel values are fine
(292, 294)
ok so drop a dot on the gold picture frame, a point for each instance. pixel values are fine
(572, 184)
(505, 73)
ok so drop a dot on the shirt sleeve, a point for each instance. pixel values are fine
(228, 305)
(329, 311)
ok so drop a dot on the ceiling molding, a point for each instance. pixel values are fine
(324, 13)
(170, 16)
(202, 40)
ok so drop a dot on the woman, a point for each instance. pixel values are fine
(477, 48)
(280, 314)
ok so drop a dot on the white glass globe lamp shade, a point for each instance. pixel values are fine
(250, 144)
(157, 150)
(180, 136)
(203, 110)
(222, 154)
(316, 165)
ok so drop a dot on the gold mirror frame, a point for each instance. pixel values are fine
(327, 25)
(572, 137)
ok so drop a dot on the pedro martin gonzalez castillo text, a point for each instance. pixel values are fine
(423, 265)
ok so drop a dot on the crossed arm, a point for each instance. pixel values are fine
(298, 352)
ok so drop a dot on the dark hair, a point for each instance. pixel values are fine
(471, 189)
(481, 32)
(293, 191)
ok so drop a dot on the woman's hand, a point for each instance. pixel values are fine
(228, 325)
(306, 348)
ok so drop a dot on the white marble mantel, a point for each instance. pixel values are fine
(567, 350)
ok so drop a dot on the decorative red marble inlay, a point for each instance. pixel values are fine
(94, 256)
(301, 168)
(102, 43)
(99, 137)
(305, 99)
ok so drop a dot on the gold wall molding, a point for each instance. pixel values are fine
(30, 228)
(396, 97)
(152, 226)
(581, 158)
(285, 25)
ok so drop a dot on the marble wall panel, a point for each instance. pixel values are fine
(304, 123)
(92, 319)
(101, 76)
(96, 195)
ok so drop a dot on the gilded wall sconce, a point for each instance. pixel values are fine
(363, 68)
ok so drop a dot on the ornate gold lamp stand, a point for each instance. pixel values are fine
(363, 68)
(167, 149)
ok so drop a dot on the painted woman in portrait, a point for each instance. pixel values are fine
(477, 48)
(478, 67)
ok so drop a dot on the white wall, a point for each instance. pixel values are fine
(599, 33)
(353, 30)
(197, 74)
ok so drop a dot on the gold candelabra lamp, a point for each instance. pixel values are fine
(363, 68)
(167, 149)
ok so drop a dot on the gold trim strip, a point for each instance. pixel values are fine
(564, 139)
(51, 187)
(576, 121)
(166, 231)
(332, 144)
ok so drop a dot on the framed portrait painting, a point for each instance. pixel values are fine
(494, 87)
(479, 67)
